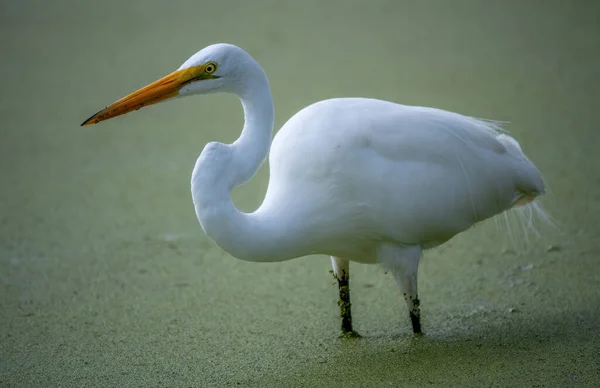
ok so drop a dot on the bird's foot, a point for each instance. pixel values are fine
(350, 335)
(415, 319)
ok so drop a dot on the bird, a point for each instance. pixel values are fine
(356, 179)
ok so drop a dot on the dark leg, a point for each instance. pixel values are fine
(341, 271)
(415, 316)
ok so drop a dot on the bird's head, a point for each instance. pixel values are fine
(216, 68)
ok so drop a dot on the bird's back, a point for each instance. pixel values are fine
(373, 170)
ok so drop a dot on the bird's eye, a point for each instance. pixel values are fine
(210, 67)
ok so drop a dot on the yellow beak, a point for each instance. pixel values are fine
(163, 89)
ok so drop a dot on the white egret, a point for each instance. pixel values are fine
(357, 179)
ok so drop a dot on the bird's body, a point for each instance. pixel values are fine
(352, 173)
(358, 179)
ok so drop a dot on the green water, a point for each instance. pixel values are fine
(106, 278)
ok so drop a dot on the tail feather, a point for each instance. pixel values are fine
(529, 214)
(529, 182)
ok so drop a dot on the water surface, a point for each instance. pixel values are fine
(106, 278)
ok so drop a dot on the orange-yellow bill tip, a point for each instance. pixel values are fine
(163, 89)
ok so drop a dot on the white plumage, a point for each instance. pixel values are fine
(358, 179)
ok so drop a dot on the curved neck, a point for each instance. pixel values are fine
(220, 167)
(250, 150)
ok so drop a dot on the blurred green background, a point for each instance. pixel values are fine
(107, 279)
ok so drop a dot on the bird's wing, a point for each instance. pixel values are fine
(418, 133)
